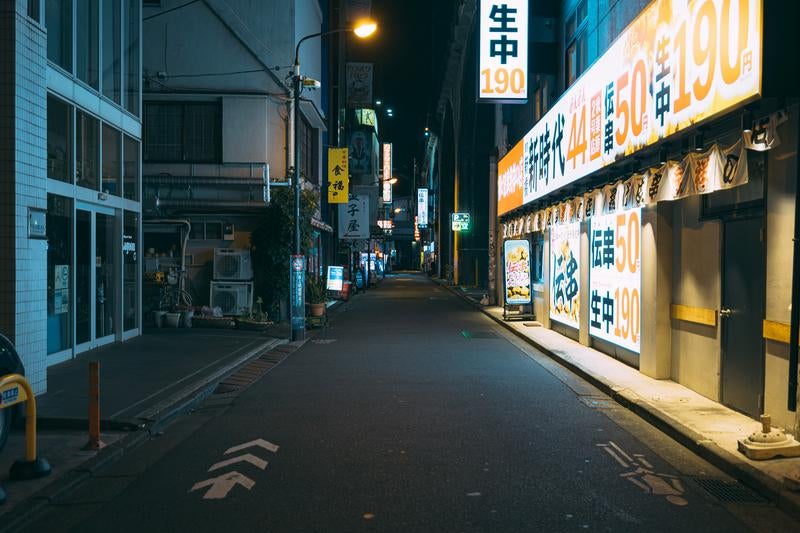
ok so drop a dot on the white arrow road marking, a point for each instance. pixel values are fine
(248, 457)
(258, 442)
(222, 485)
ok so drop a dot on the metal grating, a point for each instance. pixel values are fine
(479, 334)
(252, 371)
(729, 491)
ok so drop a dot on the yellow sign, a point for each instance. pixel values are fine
(338, 183)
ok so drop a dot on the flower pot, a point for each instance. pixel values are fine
(316, 309)
(173, 320)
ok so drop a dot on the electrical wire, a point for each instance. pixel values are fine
(211, 74)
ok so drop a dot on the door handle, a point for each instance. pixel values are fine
(725, 312)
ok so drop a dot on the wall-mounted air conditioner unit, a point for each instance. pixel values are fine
(233, 298)
(232, 265)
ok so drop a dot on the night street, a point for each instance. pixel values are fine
(411, 412)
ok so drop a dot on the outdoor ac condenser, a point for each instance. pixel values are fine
(232, 265)
(234, 298)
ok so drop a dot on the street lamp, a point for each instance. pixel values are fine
(362, 30)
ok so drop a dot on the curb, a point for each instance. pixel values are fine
(729, 463)
(158, 417)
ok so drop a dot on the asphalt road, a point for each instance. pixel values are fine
(411, 412)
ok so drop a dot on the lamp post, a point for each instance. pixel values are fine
(297, 263)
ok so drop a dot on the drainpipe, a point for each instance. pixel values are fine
(794, 330)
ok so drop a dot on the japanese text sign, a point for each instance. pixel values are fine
(459, 221)
(387, 173)
(338, 182)
(503, 57)
(517, 261)
(565, 273)
(615, 278)
(422, 207)
(354, 217)
(677, 64)
(297, 290)
(335, 280)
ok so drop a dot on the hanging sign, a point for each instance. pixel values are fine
(565, 274)
(338, 182)
(422, 207)
(354, 217)
(387, 173)
(615, 279)
(517, 261)
(503, 68)
(677, 64)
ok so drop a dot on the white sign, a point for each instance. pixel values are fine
(517, 261)
(422, 207)
(565, 273)
(503, 68)
(335, 278)
(615, 278)
(354, 217)
(387, 173)
(359, 84)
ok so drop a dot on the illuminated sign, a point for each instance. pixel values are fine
(338, 182)
(422, 207)
(387, 173)
(335, 279)
(416, 230)
(565, 273)
(517, 263)
(503, 68)
(677, 64)
(459, 221)
(615, 278)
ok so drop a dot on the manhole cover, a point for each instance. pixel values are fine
(479, 334)
(729, 491)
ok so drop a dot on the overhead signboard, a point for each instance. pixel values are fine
(677, 64)
(354, 217)
(615, 278)
(565, 274)
(359, 84)
(422, 207)
(338, 182)
(503, 58)
(517, 269)
(459, 221)
(387, 173)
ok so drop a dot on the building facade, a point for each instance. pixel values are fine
(71, 131)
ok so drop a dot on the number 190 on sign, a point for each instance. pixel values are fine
(499, 82)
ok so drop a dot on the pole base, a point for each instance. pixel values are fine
(298, 334)
(94, 445)
(22, 470)
(2, 495)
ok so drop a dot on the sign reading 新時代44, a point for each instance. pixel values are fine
(503, 68)
(678, 63)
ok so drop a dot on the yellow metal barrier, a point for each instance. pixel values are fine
(15, 389)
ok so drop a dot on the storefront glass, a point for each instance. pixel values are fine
(112, 151)
(87, 152)
(105, 263)
(130, 258)
(131, 169)
(83, 276)
(59, 274)
(59, 140)
(88, 42)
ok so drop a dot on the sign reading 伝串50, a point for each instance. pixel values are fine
(615, 279)
(503, 69)
(678, 63)
(517, 258)
(565, 273)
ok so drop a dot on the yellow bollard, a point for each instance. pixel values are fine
(94, 408)
(15, 389)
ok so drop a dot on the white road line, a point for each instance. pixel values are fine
(249, 458)
(258, 442)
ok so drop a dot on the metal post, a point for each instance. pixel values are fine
(94, 408)
(794, 326)
(298, 326)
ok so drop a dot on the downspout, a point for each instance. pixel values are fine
(794, 329)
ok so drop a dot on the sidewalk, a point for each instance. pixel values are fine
(706, 427)
(144, 383)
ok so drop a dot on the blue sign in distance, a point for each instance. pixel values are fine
(297, 291)
(335, 278)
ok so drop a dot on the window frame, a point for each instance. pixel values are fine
(215, 158)
(575, 42)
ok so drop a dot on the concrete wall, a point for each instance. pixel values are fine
(782, 183)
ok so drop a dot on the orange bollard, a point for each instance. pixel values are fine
(94, 408)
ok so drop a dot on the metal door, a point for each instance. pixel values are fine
(741, 315)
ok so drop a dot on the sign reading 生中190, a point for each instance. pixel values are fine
(615, 278)
(503, 69)
(678, 63)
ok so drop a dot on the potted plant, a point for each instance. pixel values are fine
(256, 319)
(316, 295)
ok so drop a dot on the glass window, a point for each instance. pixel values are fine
(87, 33)
(112, 152)
(132, 56)
(308, 152)
(105, 263)
(130, 259)
(130, 174)
(183, 132)
(59, 140)
(58, 15)
(112, 51)
(163, 132)
(83, 275)
(59, 274)
(33, 9)
(202, 135)
(575, 55)
(87, 150)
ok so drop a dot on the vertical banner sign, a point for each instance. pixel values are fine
(615, 278)
(503, 68)
(679, 63)
(359, 84)
(335, 280)
(517, 260)
(338, 182)
(422, 207)
(354, 217)
(297, 288)
(387, 173)
(565, 274)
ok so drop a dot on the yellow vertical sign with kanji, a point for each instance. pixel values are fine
(337, 176)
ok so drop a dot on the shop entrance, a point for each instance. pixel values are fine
(96, 276)
(741, 315)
